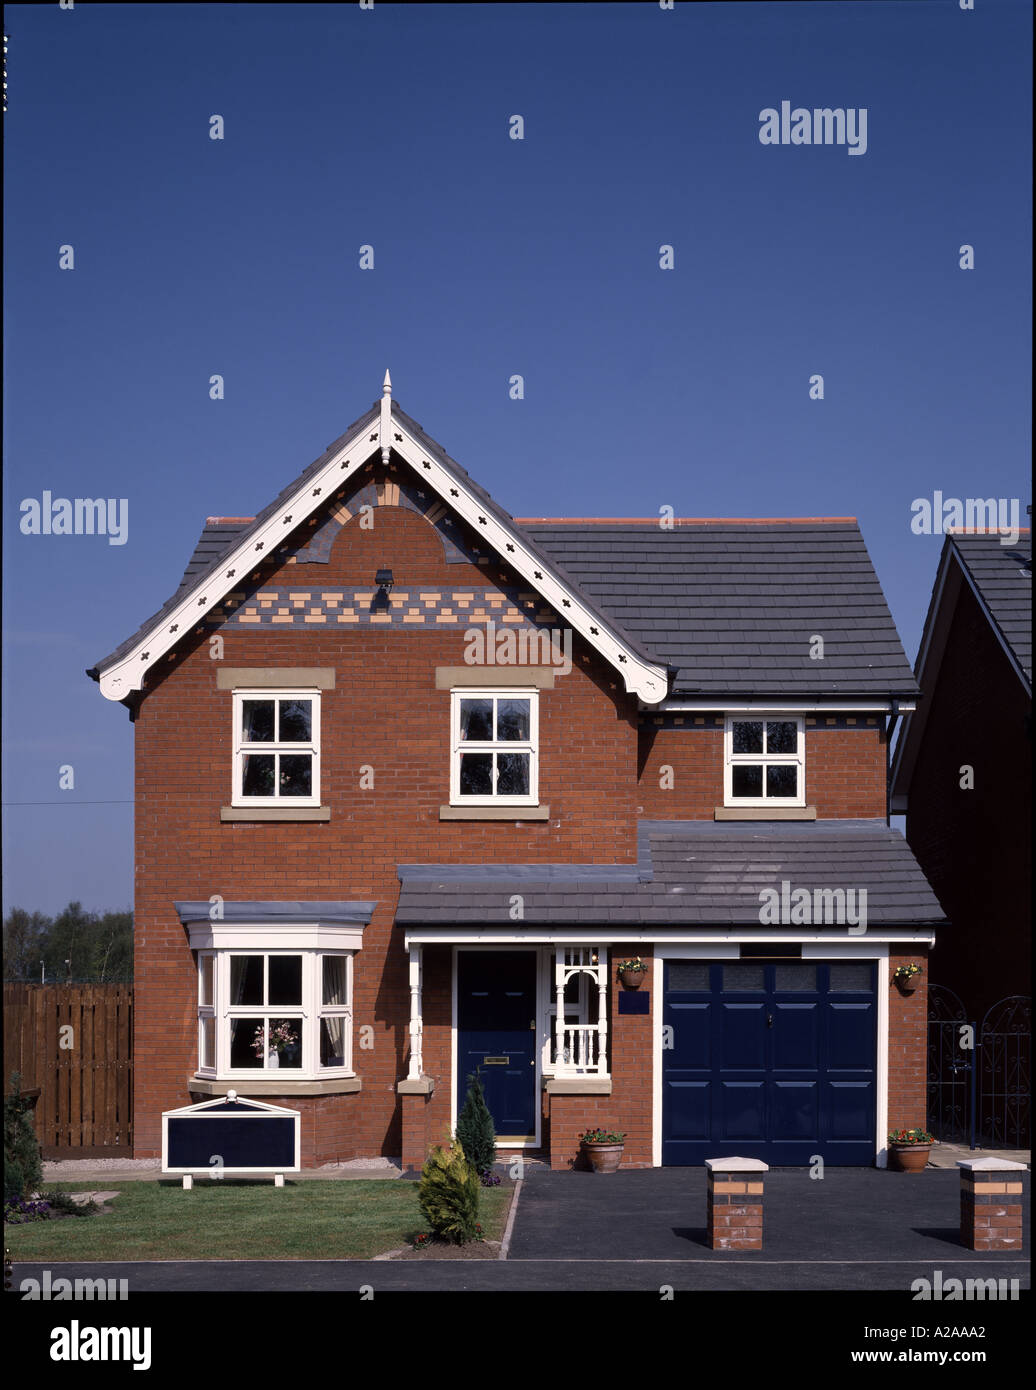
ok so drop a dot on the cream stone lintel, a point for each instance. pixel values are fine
(342, 1085)
(540, 677)
(514, 813)
(423, 1086)
(275, 677)
(578, 1086)
(765, 813)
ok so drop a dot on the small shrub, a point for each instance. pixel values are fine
(448, 1194)
(475, 1128)
(23, 1167)
(17, 1211)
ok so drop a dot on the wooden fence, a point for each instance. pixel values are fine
(75, 1042)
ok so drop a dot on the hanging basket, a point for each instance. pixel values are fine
(907, 984)
(631, 979)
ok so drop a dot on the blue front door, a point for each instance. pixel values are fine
(769, 1059)
(497, 1035)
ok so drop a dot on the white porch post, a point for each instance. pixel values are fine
(602, 1009)
(416, 1055)
(560, 957)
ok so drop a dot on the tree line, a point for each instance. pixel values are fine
(86, 947)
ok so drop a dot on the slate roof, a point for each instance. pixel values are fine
(1003, 576)
(733, 605)
(689, 873)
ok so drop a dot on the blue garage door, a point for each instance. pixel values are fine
(769, 1059)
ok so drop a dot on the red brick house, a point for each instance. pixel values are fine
(412, 777)
(962, 771)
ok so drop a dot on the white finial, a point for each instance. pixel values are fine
(386, 418)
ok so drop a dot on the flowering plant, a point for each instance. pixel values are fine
(17, 1210)
(911, 1136)
(280, 1038)
(906, 972)
(603, 1136)
(635, 965)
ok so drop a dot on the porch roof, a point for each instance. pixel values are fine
(688, 873)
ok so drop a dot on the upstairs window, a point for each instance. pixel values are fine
(276, 747)
(764, 763)
(495, 743)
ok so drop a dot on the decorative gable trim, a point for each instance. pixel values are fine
(126, 676)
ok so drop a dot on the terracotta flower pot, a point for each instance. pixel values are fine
(605, 1158)
(907, 983)
(911, 1158)
(631, 978)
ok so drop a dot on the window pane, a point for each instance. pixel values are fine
(207, 1043)
(782, 736)
(796, 978)
(257, 721)
(683, 975)
(286, 1041)
(334, 980)
(332, 1042)
(512, 720)
(746, 781)
(513, 774)
(743, 977)
(205, 979)
(258, 775)
(476, 774)
(296, 721)
(476, 720)
(850, 978)
(246, 979)
(246, 1042)
(782, 780)
(748, 736)
(296, 774)
(285, 980)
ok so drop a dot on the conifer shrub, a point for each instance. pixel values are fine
(475, 1129)
(23, 1166)
(448, 1194)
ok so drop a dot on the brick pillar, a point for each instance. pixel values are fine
(413, 1099)
(990, 1203)
(735, 1216)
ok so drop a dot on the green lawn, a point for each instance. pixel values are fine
(230, 1220)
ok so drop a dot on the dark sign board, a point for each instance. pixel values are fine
(236, 1135)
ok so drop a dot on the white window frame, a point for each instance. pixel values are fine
(241, 748)
(764, 759)
(459, 746)
(309, 1013)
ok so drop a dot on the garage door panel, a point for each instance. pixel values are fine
(742, 1041)
(691, 1102)
(850, 1036)
(691, 1036)
(851, 1109)
(796, 1110)
(743, 1110)
(795, 1035)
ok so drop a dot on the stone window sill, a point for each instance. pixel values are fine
(765, 813)
(578, 1085)
(494, 813)
(331, 1086)
(268, 813)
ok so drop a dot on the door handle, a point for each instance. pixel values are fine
(769, 1020)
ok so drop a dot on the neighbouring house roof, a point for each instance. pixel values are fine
(725, 608)
(689, 873)
(1000, 578)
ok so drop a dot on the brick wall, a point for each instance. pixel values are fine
(845, 767)
(908, 1046)
(975, 845)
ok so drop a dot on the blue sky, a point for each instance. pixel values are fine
(492, 257)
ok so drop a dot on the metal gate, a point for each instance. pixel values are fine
(979, 1074)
